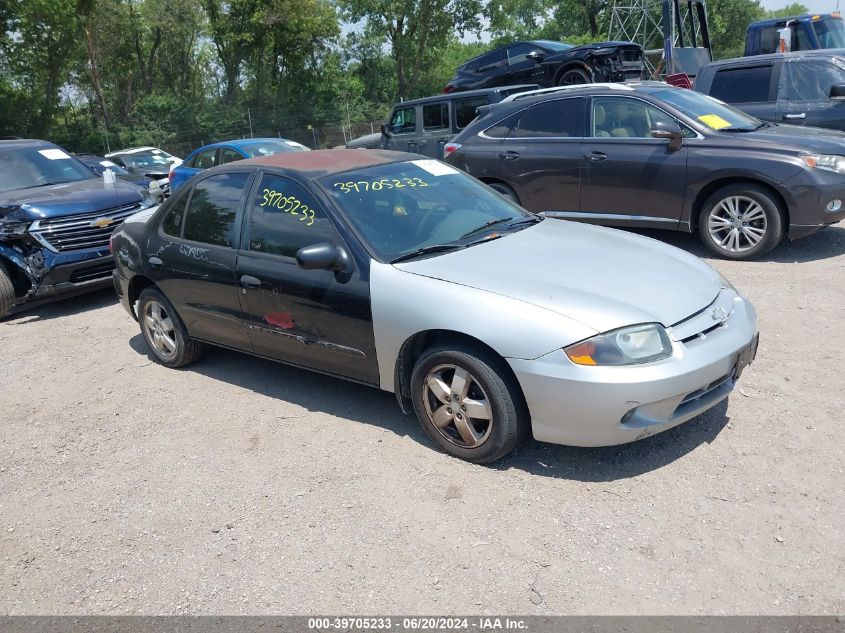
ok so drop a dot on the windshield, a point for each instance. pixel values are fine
(401, 208)
(831, 32)
(25, 167)
(99, 165)
(552, 46)
(265, 148)
(145, 161)
(711, 112)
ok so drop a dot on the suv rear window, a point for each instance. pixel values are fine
(742, 85)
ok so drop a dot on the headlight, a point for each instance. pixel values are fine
(626, 346)
(10, 229)
(828, 162)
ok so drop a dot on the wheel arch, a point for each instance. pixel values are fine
(575, 63)
(137, 285)
(415, 345)
(710, 188)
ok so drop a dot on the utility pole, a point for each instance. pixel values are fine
(249, 116)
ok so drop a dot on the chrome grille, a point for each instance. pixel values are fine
(80, 232)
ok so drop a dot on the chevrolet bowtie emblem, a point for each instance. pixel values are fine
(719, 314)
(101, 223)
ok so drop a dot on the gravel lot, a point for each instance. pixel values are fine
(243, 486)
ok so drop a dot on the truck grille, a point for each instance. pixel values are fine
(80, 232)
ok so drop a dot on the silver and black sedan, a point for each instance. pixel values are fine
(408, 275)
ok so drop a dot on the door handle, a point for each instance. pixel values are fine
(248, 281)
(509, 155)
(155, 263)
(596, 156)
(802, 115)
(412, 143)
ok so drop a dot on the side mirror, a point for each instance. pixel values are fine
(385, 130)
(670, 131)
(324, 256)
(536, 56)
(837, 91)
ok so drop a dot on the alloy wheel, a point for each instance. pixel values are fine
(159, 329)
(737, 224)
(457, 406)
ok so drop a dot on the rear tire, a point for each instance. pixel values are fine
(7, 292)
(468, 404)
(505, 191)
(164, 332)
(741, 221)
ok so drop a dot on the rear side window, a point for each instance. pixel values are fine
(742, 85)
(205, 159)
(172, 224)
(492, 60)
(285, 217)
(404, 121)
(213, 208)
(465, 110)
(436, 116)
(503, 127)
(560, 118)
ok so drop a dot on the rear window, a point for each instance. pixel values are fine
(742, 85)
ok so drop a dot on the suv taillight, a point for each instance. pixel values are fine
(448, 89)
(449, 148)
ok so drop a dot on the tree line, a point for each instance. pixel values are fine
(94, 74)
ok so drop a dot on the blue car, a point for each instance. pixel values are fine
(228, 152)
(56, 218)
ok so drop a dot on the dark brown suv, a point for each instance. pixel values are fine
(650, 155)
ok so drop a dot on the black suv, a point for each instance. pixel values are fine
(550, 63)
(424, 126)
(650, 155)
(804, 88)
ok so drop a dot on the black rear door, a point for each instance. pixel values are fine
(315, 318)
(195, 259)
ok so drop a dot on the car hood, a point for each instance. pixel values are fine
(84, 196)
(796, 137)
(603, 278)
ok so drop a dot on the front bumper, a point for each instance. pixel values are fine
(603, 406)
(813, 191)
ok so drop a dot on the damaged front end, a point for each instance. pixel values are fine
(617, 63)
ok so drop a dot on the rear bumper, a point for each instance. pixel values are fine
(121, 289)
(603, 406)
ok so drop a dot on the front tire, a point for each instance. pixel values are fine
(467, 403)
(7, 292)
(741, 221)
(574, 77)
(164, 332)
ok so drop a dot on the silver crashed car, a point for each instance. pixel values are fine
(409, 275)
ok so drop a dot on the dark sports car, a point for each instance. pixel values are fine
(550, 63)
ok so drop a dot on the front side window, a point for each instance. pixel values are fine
(213, 207)
(436, 116)
(465, 110)
(559, 118)
(809, 79)
(404, 121)
(742, 85)
(284, 218)
(519, 52)
(625, 118)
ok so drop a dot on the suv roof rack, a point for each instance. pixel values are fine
(541, 91)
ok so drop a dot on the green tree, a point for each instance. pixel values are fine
(417, 30)
(796, 8)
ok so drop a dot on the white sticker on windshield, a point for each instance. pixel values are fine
(106, 163)
(435, 167)
(53, 154)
